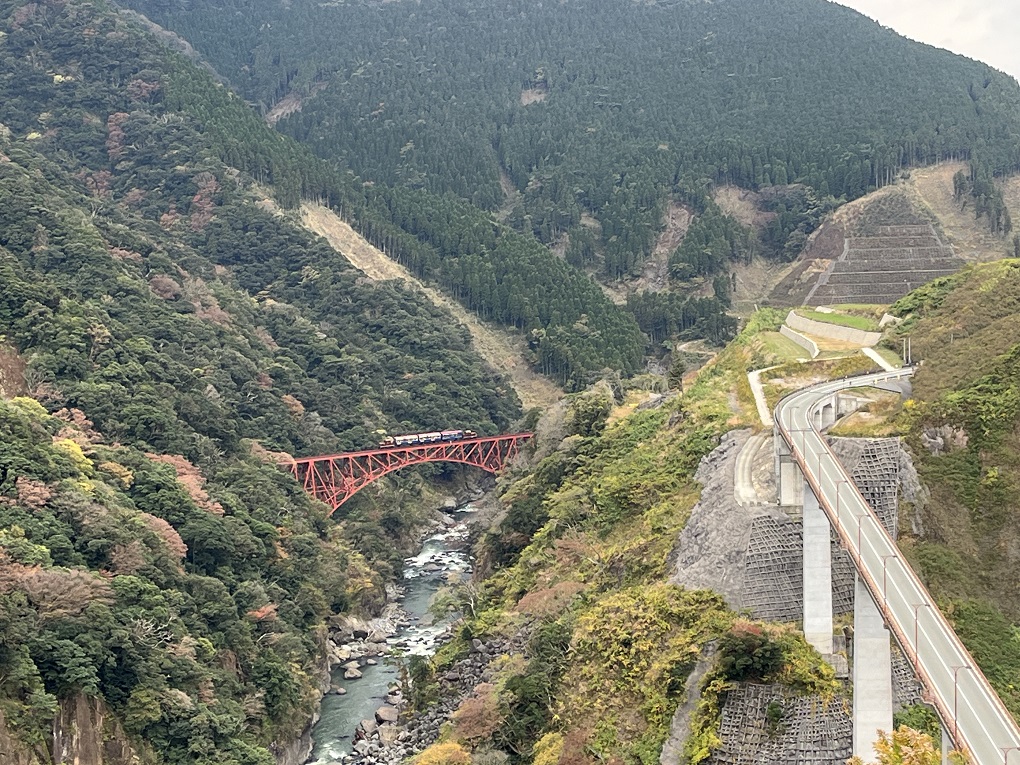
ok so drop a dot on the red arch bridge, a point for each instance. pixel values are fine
(336, 478)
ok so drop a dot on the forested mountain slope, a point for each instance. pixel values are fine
(605, 106)
(503, 350)
(504, 276)
(160, 330)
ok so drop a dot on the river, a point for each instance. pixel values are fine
(442, 554)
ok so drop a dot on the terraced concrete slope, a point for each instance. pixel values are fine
(873, 250)
(882, 263)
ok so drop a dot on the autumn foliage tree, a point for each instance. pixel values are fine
(906, 746)
(478, 716)
(446, 753)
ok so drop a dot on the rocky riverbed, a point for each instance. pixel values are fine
(359, 715)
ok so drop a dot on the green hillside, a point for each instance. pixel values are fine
(965, 436)
(165, 335)
(605, 107)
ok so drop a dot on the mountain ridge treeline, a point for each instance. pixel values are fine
(605, 108)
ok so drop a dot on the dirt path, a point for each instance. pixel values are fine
(754, 378)
(505, 351)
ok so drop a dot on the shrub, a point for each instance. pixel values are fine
(448, 753)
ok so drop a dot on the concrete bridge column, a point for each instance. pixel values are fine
(817, 575)
(791, 483)
(872, 674)
(788, 476)
(827, 413)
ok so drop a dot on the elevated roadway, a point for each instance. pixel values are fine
(971, 712)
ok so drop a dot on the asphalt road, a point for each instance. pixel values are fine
(971, 711)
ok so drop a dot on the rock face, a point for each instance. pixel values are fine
(84, 733)
(15, 753)
(712, 547)
(79, 736)
(296, 752)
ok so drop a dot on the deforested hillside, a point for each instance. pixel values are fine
(596, 111)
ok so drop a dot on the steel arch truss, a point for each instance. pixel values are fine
(336, 478)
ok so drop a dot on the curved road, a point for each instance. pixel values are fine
(970, 710)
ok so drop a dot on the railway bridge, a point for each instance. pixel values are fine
(335, 478)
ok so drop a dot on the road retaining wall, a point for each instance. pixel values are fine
(832, 331)
(806, 343)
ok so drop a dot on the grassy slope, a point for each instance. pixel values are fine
(865, 323)
(968, 392)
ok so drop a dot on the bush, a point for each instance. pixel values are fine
(748, 653)
(448, 753)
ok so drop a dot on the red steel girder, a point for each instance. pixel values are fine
(335, 478)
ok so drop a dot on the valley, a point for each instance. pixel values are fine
(241, 234)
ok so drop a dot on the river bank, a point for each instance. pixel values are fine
(358, 715)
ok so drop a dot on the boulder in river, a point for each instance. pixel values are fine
(367, 727)
(387, 714)
(371, 662)
(352, 674)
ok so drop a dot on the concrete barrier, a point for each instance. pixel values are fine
(832, 331)
(806, 343)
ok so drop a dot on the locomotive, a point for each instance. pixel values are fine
(435, 437)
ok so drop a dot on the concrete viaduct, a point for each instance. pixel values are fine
(889, 597)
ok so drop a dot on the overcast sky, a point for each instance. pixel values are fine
(988, 30)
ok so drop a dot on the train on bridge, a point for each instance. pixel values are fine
(435, 437)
